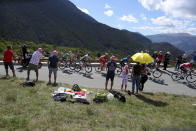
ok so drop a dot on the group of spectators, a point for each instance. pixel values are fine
(138, 73)
(33, 64)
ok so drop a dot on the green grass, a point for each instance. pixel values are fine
(33, 109)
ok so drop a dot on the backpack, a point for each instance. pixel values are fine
(101, 96)
(76, 88)
(28, 83)
(60, 97)
(119, 96)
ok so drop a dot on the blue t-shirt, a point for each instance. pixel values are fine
(53, 61)
(111, 67)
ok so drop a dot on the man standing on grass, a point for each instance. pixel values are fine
(33, 65)
(7, 59)
(111, 71)
(53, 64)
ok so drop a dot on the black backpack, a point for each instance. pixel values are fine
(28, 83)
(119, 96)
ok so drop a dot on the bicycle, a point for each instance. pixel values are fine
(119, 69)
(190, 77)
(67, 64)
(156, 73)
(78, 67)
(98, 68)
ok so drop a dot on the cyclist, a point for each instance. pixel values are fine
(124, 60)
(184, 67)
(103, 59)
(67, 56)
(77, 57)
(85, 58)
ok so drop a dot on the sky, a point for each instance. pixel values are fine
(147, 17)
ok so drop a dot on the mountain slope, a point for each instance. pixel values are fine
(183, 41)
(60, 22)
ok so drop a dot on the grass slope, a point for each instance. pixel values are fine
(33, 109)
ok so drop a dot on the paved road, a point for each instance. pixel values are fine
(97, 80)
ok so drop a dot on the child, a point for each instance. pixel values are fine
(124, 77)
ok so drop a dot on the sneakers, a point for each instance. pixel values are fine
(49, 83)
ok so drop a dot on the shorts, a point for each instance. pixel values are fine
(110, 76)
(10, 64)
(33, 67)
(183, 69)
(124, 81)
(53, 70)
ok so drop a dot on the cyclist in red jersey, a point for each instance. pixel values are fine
(184, 67)
(103, 59)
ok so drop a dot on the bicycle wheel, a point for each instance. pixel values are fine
(175, 76)
(191, 78)
(88, 68)
(62, 65)
(78, 67)
(118, 70)
(98, 69)
(157, 73)
(72, 66)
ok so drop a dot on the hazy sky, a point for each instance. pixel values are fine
(144, 16)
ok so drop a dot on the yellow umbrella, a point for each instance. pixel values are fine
(142, 58)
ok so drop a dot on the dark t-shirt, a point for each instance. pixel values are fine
(166, 57)
(137, 69)
(111, 67)
(53, 61)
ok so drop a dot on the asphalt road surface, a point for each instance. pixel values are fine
(97, 80)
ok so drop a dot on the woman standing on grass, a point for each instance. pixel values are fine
(144, 77)
(125, 77)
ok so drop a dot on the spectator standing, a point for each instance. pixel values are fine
(160, 58)
(179, 62)
(184, 58)
(53, 64)
(24, 51)
(7, 60)
(33, 64)
(125, 77)
(144, 77)
(111, 71)
(166, 60)
(136, 72)
(194, 58)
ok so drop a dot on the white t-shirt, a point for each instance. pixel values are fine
(36, 58)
